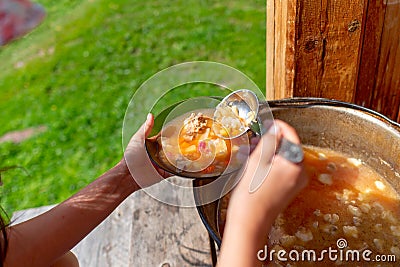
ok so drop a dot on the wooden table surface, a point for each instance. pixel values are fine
(166, 236)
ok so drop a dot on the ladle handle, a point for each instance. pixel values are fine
(290, 151)
(287, 149)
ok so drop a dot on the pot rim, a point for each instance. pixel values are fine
(305, 102)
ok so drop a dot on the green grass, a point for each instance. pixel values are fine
(77, 72)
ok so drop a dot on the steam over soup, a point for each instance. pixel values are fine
(344, 199)
(194, 142)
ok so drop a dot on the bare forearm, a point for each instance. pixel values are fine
(248, 225)
(245, 234)
(43, 239)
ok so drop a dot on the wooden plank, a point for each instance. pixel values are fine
(164, 235)
(386, 94)
(290, 60)
(345, 50)
(109, 243)
(309, 48)
(327, 48)
(281, 22)
(373, 27)
(398, 115)
(270, 50)
(280, 51)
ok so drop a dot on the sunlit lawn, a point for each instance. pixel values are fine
(76, 73)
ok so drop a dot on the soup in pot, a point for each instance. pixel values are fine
(347, 207)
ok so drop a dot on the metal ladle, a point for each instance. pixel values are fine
(245, 106)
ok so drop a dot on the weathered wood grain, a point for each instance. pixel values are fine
(398, 115)
(345, 50)
(270, 50)
(372, 33)
(109, 243)
(281, 21)
(386, 94)
(379, 75)
(327, 48)
(164, 235)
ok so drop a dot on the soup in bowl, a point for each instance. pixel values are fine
(191, 143)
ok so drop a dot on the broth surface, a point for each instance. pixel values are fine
(345, 200)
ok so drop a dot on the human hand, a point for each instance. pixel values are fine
(269, 183)
(143, 171)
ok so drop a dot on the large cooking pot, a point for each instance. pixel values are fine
(343, 127)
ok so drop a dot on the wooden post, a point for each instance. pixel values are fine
(281, 16)
(338, 49)
(379, 80)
